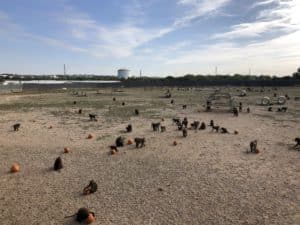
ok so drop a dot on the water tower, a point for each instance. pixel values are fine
(123, 73)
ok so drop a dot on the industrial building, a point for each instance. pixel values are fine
(123, 73)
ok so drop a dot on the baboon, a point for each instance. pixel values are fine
(202, 126)
(184, 132)
(185, 122)
(176, 121)
(129, 128)
(184, 106)
(74, 102)
(163, 129)
(224, 130)
(91, 188)
(123, 103)
(16, 126)
(284, 109)
(120, 141)
(79, 111)
(155, 126)
(92, 117)
(270, 109)
(113, 147)
(81, 215)
(248, 110)
(172, 101)
(235, 111)
(136, 111)
(195, 125)
(139, 142)
(58, 164)
(297, 140)
(216, 128)
(253, 146)
(240, 106)
(114, 99)
(212, 123)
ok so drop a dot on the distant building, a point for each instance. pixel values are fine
(123, 73)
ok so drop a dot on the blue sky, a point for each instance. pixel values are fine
(161, 37)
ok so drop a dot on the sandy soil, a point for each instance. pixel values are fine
(206, 179)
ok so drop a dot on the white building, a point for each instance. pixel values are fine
(123, 73)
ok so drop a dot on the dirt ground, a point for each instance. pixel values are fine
(208, 178)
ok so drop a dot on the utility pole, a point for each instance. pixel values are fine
(64, 69)
(216, 70)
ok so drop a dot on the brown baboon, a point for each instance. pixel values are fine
(139, 142)
(235, 111)
(216, 128)
(185, 122)
(155, 126)
(248, 110)
(179, 126)
(172, 101)
(184, 106)
(184, 132)
(16, 126)
(136, 111)
(92, 117)
(212, 123)
(81, 215)
(80, 111)
(224, 130)
(270, 109)
(163, 129)
(195, 125)
(253, 146)
(113, 147)
(129, 128)
(123, 103)
(283, 109)
(58, 164)
(114, 99)
(120, 141)
(202, 126)
(74, 102)
(297, 140)
(91, 188)
(240, 106)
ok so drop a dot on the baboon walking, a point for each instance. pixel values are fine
(297, 140)
(184, 132)
(90, 188)
(16, 126)
(253, 146)
(155, 126)
(58, 165)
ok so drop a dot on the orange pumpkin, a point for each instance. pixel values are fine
(91, 218)
(67, 150)
(257, 151)
(15, 168)
(90, 136)
(174, 143)
(50, 127)
(162, 119)
(130, 142)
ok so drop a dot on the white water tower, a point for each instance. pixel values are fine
(123, 73)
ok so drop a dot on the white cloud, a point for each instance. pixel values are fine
(276, 56)
(284, 17)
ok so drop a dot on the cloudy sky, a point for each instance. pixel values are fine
(161, 37)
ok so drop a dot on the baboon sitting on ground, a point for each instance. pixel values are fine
(58, 165)
(216, 128)
(120, 141)
(129, 128)
(16, 126)
(202, 126)
(136, 111)
(253, 146)
(297, 140)
(163, 129)
(139, 142)
(185, 122)
(224, 130)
